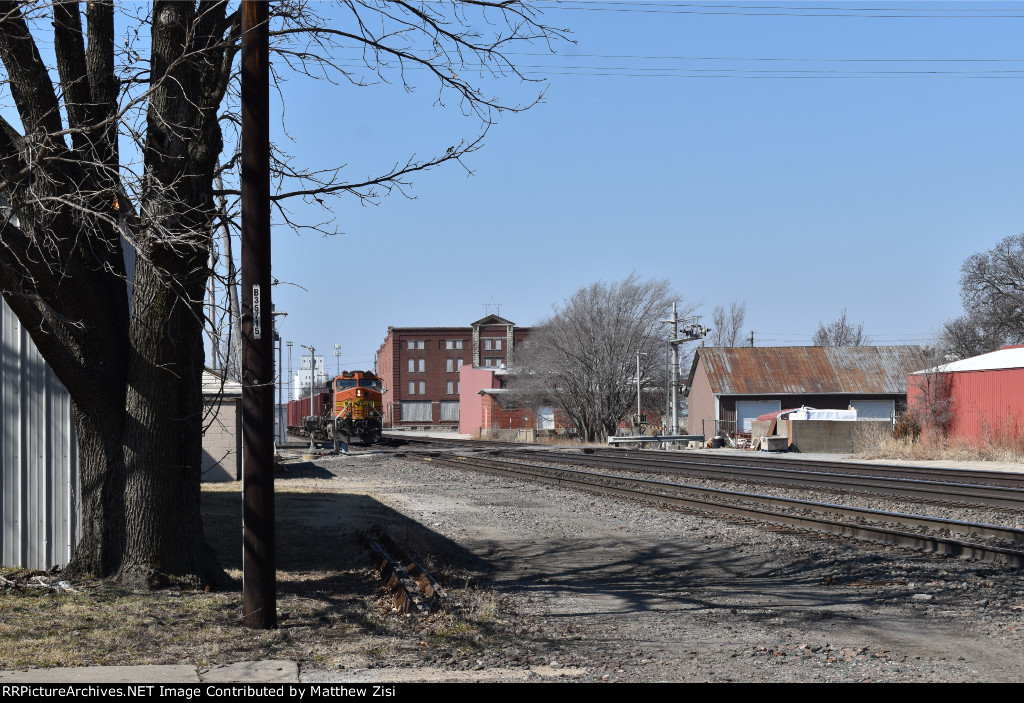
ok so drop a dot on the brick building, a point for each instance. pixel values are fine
(420, 367)
(488, 411)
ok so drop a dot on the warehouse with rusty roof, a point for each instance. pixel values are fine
(731, 386)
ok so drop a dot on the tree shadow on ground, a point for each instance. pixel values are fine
(319, 534)
(613, 577)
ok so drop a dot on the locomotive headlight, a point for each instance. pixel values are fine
(359, 393)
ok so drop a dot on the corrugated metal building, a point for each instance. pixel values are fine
(987, 394)
(40, 512)
(731, 386)
(38, 456)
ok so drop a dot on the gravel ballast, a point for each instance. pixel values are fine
(591, 588)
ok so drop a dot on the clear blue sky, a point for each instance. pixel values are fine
(748, 151)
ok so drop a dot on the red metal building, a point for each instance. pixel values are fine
(985, 395)
(420, 367)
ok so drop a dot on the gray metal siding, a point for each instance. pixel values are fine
(38, 456)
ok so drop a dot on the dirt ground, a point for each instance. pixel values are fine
(599, 589)
(544, 585)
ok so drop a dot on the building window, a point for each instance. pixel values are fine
(416, 344)
(458, 364)
(492, 343)
(493, 361)
(412, 365)
(420, 344)
(458, 387)
(449, 365)
(417, 411)
(451, 388)
(412, 344)
(453, 344)
(412, 387)
(423, 387)
(423, 365)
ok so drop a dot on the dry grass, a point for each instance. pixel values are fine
(331, 610)
(564, 440)
(872, 443)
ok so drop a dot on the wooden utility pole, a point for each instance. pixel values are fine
(259, 576)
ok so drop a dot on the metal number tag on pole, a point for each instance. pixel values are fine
(257, 318)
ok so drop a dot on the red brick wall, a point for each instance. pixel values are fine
(494, 417)
(386, 360)
(393, 364)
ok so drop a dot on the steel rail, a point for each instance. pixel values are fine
(758, 459)
(762, 459)
(699, 497)
(967, 493)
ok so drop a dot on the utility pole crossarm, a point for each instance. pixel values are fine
(692, 333)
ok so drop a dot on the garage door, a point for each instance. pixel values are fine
(748, 410)
(873, 409)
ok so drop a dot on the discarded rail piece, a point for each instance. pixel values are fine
(413, 587)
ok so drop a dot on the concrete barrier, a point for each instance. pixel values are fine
(828, 436)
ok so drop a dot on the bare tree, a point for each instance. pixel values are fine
(121, 132)
(968, 336)
(727, 324)
(841, 333)
(584, 356)
(992, 292)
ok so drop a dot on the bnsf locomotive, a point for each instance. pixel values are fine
(356, 413)
(350, 407)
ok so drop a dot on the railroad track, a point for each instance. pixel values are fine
(934, 486)
(794, 462)
(1001, 545)
(988, 489)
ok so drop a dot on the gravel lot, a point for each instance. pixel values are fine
(590, 588)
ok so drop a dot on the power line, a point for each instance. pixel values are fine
(723, 72)
(784, 10)
(801, 7)
(664, 57)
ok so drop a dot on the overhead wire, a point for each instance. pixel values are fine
(782, 10)
(578, 68)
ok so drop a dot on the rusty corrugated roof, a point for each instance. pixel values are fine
(774, 370)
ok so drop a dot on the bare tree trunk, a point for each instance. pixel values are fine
(101, 480)
(162, 439)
